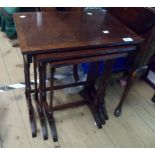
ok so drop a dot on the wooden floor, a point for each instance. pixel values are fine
(76, 128)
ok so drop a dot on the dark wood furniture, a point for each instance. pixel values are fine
(64, 38)
(94, 98)
(142, 21)
(63, 9)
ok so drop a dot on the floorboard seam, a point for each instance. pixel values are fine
(16, 100)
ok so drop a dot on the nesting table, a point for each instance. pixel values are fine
(70, 38)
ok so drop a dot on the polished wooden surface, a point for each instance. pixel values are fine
(85, 53)
(42, 31)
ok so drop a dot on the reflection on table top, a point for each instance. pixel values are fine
(42, 31)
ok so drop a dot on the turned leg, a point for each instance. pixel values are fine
(26, 78)
(48, 108)
(35, 79)
(49, 113)
(40, 103)
(52, 71)
(28, 97)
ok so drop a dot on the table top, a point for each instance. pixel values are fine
(40, 32)
(85, 53)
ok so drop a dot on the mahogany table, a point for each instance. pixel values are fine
(70, 38)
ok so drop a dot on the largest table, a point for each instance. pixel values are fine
(96, 33)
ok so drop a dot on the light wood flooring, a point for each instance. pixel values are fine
(135, 128)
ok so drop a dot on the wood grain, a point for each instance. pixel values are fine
(57, 31)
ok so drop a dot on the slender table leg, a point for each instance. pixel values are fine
(104, 81)
(35, 78)
(96, 98)
(135, 73)
(28, 97)
(39, 105)
(89, 89)
(135, 68)
(49, 112)
(130, 81)
(90, 99)
(75, 72)
(92, 75)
